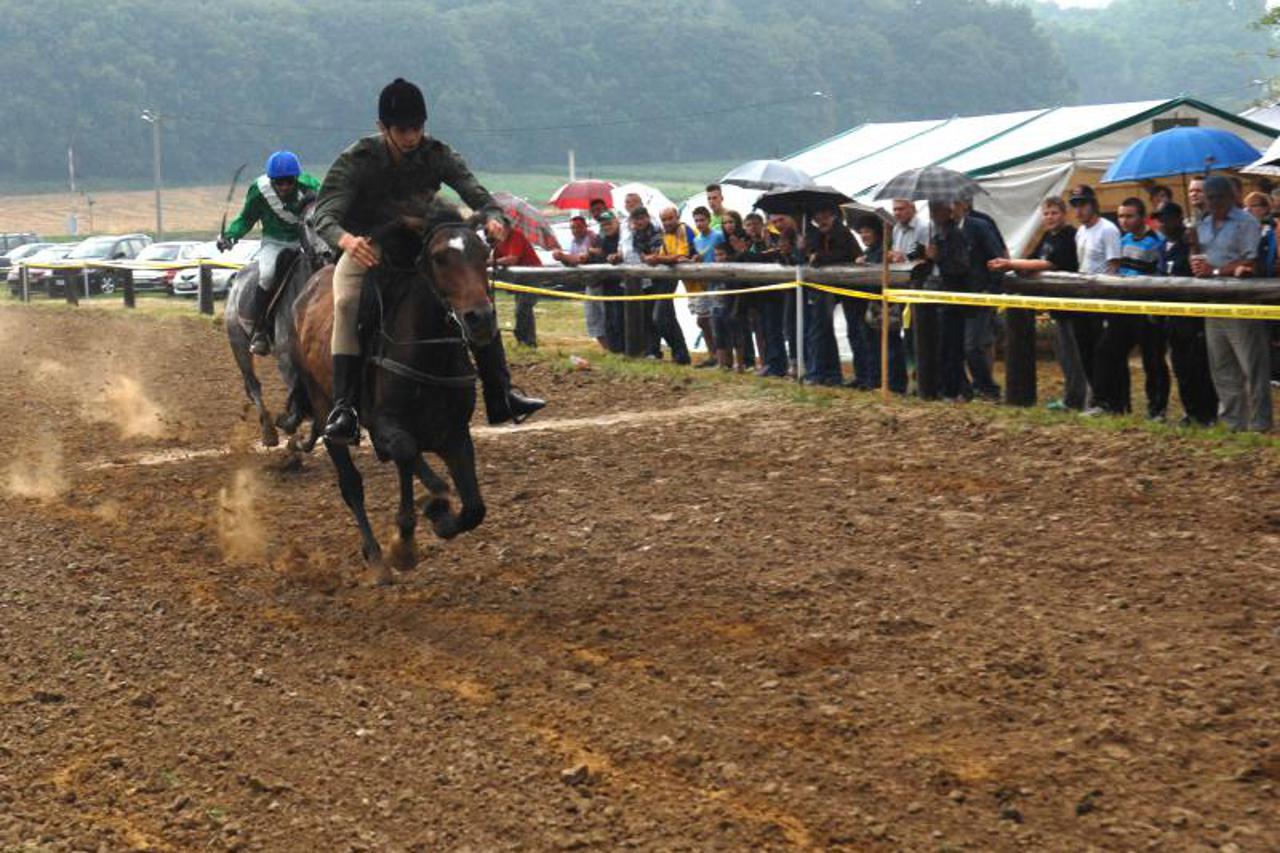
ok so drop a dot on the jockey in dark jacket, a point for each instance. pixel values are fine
(398, 163)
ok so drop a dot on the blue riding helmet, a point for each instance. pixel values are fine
(283, 164)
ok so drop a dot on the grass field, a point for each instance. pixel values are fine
(194, 212)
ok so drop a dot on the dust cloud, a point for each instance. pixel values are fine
(240, 532)
(124, 403)
(38, 472)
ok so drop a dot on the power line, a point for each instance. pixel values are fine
(618, 122)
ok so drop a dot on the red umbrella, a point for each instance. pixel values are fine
(526, 219)
(578, 195)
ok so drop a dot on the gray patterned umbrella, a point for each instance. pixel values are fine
(931, 183)
(767, 175)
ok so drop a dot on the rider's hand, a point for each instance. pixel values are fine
(360, 249)
(224, 243)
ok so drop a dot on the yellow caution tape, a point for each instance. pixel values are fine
(944, 297)
(131, 265)
(1097, 306)
(643, 297)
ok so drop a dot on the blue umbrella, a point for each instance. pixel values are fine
(1181, 151)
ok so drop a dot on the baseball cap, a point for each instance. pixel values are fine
(1082, 193)
(606, 216)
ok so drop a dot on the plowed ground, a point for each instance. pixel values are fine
(695, 618)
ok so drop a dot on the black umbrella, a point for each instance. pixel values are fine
(802, 200)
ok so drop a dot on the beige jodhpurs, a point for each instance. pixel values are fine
(348, 281)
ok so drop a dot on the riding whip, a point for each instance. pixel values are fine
(231, 193)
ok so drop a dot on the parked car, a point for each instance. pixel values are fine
(187, 282)
(15, 239)
(36, 277)
(120, 247)
(162, 279)
(17, 254)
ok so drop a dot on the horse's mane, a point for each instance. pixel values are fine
(406, 222)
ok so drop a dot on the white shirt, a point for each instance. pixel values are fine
(1096, 245)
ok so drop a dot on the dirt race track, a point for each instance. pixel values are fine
(696, 618)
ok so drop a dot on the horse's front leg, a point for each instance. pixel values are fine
(461, 459)
(351, 484)
(404, 550)
(436, 505)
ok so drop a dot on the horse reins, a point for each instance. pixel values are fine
(463, 380)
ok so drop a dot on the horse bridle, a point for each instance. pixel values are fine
(421, 266)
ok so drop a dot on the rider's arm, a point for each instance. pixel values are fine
(337, 192)
(249, 215)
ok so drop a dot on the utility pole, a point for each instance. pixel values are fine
(153, 118)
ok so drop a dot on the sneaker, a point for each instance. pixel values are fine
(1093, 412)
(1057, 406)
(710, 362)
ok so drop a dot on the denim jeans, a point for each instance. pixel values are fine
(665, 324)
(865, 350)
(821, 352)
(772, 310)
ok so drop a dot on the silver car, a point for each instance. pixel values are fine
(187, 282)
(169, 252)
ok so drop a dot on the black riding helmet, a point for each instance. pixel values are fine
(401, 105)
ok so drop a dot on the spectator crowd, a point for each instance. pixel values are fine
(1221, 367)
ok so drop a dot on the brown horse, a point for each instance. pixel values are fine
(422, 305)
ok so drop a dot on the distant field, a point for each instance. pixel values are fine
(196, 211)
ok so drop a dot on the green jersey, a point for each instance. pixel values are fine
(281, 220)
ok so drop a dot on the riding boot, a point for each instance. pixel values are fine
(261, 342)
(501, 403)
(343, 426)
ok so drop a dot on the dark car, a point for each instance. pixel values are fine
(121, 247)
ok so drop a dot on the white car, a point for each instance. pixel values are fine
(35, 277)
(187, 282)
(145, 278)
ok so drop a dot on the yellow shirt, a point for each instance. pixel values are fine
(680, 244)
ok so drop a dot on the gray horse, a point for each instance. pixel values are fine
(293, 269)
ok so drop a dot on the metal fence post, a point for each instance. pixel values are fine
(633, 324)
(24, 275)
(205, 295)
(84, 277)
(800, 297)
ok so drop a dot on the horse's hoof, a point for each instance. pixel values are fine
(436, 508)
(270, 438)
(404, 553)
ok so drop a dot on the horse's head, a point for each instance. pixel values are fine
(455, 261)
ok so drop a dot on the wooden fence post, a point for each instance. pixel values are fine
(924, 320)
(24, 274)
(129, 296)
(205, 294)
(1020, 357)
(70, 289)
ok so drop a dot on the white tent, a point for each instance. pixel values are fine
(1020, 158)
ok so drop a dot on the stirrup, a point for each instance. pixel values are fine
(260, 345)
(350, 435)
